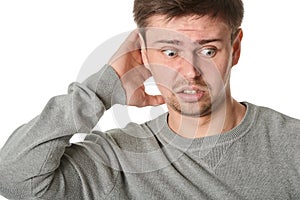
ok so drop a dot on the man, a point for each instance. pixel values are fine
(208, 146)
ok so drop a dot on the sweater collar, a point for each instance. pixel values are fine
(161, 129)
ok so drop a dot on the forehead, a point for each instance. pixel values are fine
(189, 27)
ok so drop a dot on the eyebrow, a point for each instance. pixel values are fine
(177, 42)
(202, 42)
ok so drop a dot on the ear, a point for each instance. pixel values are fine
(237, 47)
(144, 51)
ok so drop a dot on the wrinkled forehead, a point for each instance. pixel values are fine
(186, 29)
(185, 22)
(156, 36)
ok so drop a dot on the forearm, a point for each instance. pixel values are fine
(36, 148)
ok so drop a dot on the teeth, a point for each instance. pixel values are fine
(189, 91)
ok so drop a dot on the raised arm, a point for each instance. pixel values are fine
(35, 149)
(34, 158)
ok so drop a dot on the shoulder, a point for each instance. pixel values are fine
(278, 127)
(277, 119)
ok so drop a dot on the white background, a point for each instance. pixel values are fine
(43, 45)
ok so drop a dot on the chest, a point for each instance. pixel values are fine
(237, 175)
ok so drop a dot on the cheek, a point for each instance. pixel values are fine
(164, 76)
(222, 63)
(215, 72)
(162, 71)
(225, 69)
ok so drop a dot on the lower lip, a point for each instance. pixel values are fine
(190, 98)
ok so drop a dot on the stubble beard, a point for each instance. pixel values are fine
(199, 108)
(192, 109)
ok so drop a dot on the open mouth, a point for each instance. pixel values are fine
(190, 91)
(190, 94)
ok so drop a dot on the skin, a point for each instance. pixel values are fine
(190, 58)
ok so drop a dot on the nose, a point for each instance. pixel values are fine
(189, 69)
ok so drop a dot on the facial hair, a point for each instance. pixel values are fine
(194, 109)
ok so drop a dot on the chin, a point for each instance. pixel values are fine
(193, 110)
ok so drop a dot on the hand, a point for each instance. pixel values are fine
(128, 63)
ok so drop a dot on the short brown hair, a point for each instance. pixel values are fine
(232, 11)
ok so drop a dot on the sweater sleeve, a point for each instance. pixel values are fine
(35, 149)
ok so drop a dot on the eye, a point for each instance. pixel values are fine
(171, 53)
(208, 52)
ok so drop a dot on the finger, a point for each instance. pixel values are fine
(134, 38)
(153, 100)
(132, 42)
(135, 77)
(143, 72)
(128, 46)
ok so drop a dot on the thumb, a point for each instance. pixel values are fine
(153, 100)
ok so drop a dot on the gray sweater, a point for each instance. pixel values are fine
(258, 159)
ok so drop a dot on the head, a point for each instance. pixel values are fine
(190, 47)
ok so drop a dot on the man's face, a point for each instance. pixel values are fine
(190, 59)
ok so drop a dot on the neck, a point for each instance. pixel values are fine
(222, 119)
